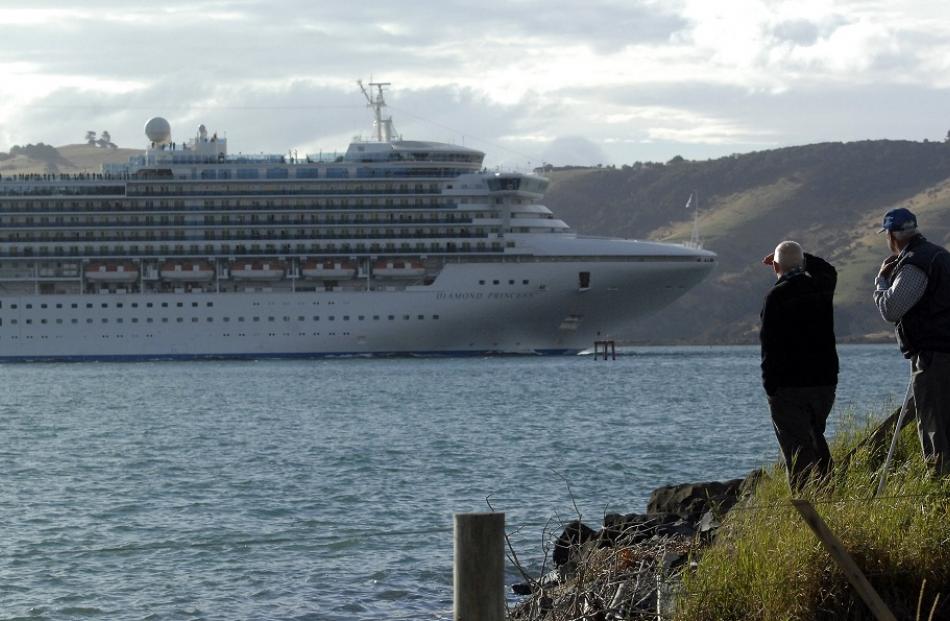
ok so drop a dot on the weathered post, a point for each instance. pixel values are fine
(479, 577)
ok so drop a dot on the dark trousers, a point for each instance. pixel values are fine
(799, 415)
(930, 376)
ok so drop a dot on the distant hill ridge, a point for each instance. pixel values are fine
(41, 158)
(827, 196)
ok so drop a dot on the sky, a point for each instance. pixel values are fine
(562, 82)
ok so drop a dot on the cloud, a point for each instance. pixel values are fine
(635, 79)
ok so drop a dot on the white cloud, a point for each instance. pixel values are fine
(688, 76)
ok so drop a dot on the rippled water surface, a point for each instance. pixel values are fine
(325, 489)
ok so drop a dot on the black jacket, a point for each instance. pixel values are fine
(798, 329)
(926, 326)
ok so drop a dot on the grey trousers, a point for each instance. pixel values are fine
(799, 415)
(930, 377)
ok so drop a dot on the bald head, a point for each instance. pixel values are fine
(789, 256)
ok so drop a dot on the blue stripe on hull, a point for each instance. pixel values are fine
(263, 356)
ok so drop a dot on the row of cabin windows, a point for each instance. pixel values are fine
(116, 305)
(243, 218)
(225, 334)
(226, 234)
(405, 317)
(511, 281)
(133, 249)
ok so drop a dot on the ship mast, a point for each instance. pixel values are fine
(384, 127)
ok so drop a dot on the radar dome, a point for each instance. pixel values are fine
(158, 130)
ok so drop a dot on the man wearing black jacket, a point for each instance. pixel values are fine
(799, 358)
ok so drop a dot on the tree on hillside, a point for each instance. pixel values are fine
(91, 138)
(947, 139)
(105, 141)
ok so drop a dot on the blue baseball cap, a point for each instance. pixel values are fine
(899, 219)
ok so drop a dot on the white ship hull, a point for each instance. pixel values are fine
(536, 308)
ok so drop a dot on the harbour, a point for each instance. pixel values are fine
(198, 490)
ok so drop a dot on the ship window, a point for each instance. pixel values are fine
(511, 282)
(405, 317)
(164, 304)
(119, 305)
(241, 319)
(257, 319)
(179, 304)
(148, 320)
(346, 317)
(524, 282)
(375, 317)
(421, 317)
(43, 321)
(210, 319)
(361, 317)
(286, 317)
(331, 318)
(42, 305)
(391, 317)
(105, 320)
(74, 305)
(29, 306)
(226, 319)
(583, 279)
(104, 305)
(13, 321)
(435, 316)
(74, 320)
(164, 319)
(194, 320)
(481, 282)
(13, 306)
(135, 320)
(180, 320)
(135, 304)
(88, 305)
(316, 318)
(148, 305)
(89, 320)
(119, 320)
(270, 319)
(193, 304)
(494, 282)
(209, 304)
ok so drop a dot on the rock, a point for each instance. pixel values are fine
(708, 522)
(575, 534)
(691, 500)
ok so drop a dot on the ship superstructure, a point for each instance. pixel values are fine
(393, 247)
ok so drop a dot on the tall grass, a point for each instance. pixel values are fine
(767, 564)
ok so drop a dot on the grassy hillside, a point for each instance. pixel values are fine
(829, 197)
(72, 158)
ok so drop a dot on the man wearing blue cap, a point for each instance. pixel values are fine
(912, 291)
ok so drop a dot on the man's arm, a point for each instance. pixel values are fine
(769, 337)
(824, 273)
(894, 298)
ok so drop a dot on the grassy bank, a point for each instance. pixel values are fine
(766, 564)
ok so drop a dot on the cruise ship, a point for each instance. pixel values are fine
(395, 247)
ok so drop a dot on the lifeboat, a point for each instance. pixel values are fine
(112, 272)
(187, 271)
(328, 270)
(258, 270)
(397, 268)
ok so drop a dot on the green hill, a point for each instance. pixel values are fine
(73, 158)
(829, 197)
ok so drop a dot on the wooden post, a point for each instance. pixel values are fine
(479, 576)
(851, 570)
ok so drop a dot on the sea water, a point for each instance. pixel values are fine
(325, 489)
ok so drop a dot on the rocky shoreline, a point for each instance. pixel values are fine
(631, 566)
